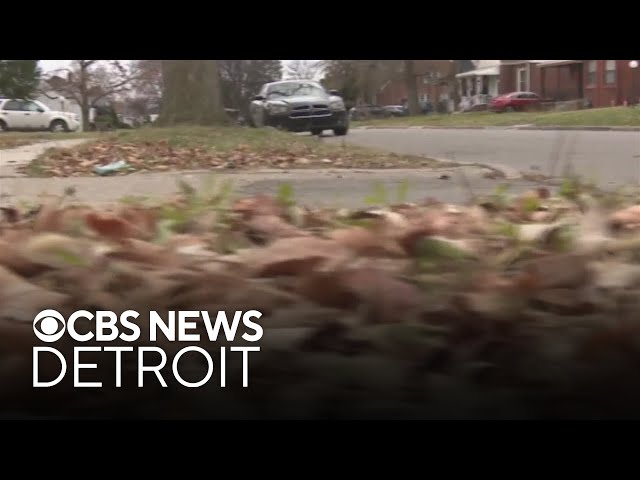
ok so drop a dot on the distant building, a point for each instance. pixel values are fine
(434, 83)
(604, 83)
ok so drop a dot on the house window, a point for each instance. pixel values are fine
(591, 72)
(522, 80)
(610, 72)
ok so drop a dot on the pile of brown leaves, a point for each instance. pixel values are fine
(525, 307)
(162, 156)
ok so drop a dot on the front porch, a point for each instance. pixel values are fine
(477, 87)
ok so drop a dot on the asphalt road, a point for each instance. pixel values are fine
(610, 158)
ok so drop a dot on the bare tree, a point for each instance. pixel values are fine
(148, 83)
(360, 80)
(303, 69)
(191, 93)
(241, 79)
(145, 97)
(89, 81)
(412, 87)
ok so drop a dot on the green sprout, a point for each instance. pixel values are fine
(285, 195)
(402, 191)
(379, 195)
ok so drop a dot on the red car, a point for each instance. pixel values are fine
(516, 101)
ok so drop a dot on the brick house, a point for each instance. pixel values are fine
(435, 81)
(519, 76)
(554, 80)
(611, 82)
(561, 80)
(604, 83)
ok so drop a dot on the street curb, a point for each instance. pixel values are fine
(512, 127)
(584, 129)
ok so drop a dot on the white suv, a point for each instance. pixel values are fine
(34, 115)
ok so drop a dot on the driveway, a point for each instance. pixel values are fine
(610, 158)
(15, 157)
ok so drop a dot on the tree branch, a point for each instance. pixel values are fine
(115, 88)
(84, 64)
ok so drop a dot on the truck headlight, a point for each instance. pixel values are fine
(336, 105)
(277, 108)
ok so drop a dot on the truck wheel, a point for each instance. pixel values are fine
(340, 131)
(3, 126)
(58, 126)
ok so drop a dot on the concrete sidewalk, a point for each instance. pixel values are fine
(331, 187)
(348, 187)
(10, 158)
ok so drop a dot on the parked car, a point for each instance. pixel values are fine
(299, 106)
(363, 112)
(396, 110)
(33, 115)
(105, 118)
(516, 101)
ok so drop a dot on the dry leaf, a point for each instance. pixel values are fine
(392, 300)
(21, 300)
(145, 219)
(10, 214)
(112, 227)
(559, 271)
(627, 218)
(12, 258)
(257, 205)
(564, 301)
(49, 218)
(367, 243)
(57, 251)
(263, 228)
(135, 250)
(293, 256)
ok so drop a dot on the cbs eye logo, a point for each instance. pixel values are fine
(49, 326)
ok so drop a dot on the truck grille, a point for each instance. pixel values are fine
(310, 111)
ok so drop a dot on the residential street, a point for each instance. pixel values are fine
(611, 158)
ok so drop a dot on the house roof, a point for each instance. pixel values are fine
(465, 65)
(556, 63)
(481, 72)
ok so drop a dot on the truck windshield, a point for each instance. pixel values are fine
(295, 89)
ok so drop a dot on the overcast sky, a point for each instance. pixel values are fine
(48, 65)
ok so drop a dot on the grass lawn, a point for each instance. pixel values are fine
(616, 116)
(17, 139)
(192, 148)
